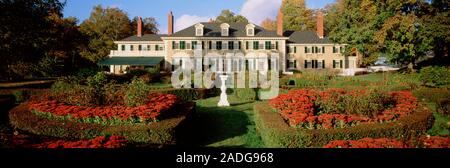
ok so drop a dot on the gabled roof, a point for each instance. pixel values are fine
(305, 37)
(145, 37)
(235, 30)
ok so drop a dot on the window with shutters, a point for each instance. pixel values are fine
(308, 64)
(319, 64)
(231, 45)
(268, 44)
(219, 45)
(194, 45)
(182, 45)
(256, 45)
(123, 47)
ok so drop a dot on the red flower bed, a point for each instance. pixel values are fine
(426, 142)
(435, 142)
(157, 104)
(299, 108)
(98, 142)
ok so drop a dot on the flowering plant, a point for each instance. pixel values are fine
(98, 142)
(334, 108)
(156, 105)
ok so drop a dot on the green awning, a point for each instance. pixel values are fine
(136, 61)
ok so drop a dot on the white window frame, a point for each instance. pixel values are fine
(199, 29)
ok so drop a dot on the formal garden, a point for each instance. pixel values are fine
(314, 109)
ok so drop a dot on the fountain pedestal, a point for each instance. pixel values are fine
(223, 95)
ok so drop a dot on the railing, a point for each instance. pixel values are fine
(115, 53)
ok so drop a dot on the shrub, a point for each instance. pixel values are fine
(435, 76)
(245, 94)
(73, 94)
(275, 132)
(21, 95)
(185, 94)
(114, 94)
(437, 96)
(136, 93)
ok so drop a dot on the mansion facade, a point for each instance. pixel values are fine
(295, 50)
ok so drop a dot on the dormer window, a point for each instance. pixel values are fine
(199, 29)
(250, 30)
(225, 27)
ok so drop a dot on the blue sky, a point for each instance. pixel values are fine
(187, 12)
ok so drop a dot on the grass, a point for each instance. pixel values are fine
(223, 126)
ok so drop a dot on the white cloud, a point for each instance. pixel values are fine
(185, 21)
(258, 10)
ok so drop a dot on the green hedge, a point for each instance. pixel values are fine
(189, 94)
(161, 133)
(276, 133)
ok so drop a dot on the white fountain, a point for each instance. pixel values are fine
(223, 95)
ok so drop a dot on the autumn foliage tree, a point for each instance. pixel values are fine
(269, 24)
(405, 31)
(104, 26)
(297, 16)
(227, 16)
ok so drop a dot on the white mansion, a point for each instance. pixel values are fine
(297, 50)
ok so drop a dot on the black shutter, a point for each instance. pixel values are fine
(334, 64)
(323, 64)
(246, 45)
(203, 45)
(295, 64)
(323, 49)
(306, 64)
(239, 45)
(210, 45)
(341, 64)
(295, 49)
(276, 45)
(173, 44)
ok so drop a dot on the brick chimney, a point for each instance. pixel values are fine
(170, 28)
(280, 16)
(139, 27)
(320, 29)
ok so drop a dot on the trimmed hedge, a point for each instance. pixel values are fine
(160, 133)
(276, 133)
(189, 94)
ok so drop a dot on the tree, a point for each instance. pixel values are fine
(332, 14)
(34, 36)
(149, 26)
(269, 24)
(297, 16)
(227, 16)
(104, 26)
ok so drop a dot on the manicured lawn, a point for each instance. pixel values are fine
(222, 126)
